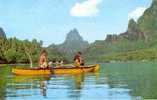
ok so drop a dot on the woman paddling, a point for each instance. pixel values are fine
(43, 63)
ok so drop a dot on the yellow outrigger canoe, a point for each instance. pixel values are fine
(60, 70)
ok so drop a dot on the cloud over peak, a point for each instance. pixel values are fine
(136, 13)
(86, 8)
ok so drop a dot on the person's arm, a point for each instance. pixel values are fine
(80, 58)
(38, 61)
(45, 59)
(42, 60)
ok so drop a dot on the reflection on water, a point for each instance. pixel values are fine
(120, 81)
(43, 87)
(79, 79)
(139, 78)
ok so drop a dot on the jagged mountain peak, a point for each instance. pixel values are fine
(72, 44)
(73, 35)
(132, 22)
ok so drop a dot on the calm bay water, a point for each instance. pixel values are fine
(115, 81)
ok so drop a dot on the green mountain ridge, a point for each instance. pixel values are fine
(148, 22)
(141, 36)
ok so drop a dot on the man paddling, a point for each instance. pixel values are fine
(78, 60)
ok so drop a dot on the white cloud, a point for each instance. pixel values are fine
(86, 8)
(136, 13)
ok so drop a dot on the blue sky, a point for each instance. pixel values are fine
(51, 20)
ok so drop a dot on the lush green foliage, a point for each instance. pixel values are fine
(138, 55)
(100, 49)
(126, 51)
(18, 51)
(148, 22)
(54, 54)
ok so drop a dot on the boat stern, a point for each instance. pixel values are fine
(97, 67)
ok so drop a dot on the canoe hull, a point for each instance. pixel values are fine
(73, 70)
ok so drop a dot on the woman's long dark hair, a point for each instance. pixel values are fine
(43, 51)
